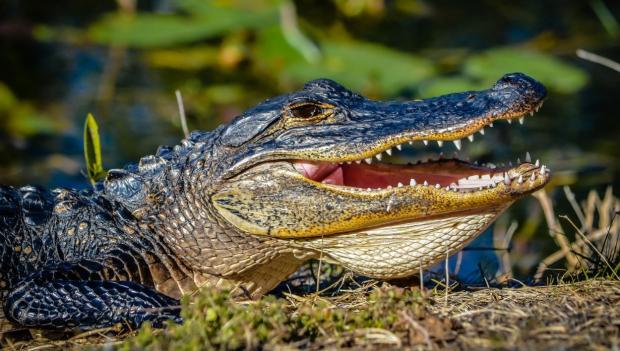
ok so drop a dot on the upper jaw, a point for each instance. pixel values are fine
(362, 129)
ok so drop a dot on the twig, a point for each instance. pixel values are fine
(570, 196)
(421, 278)
(182, 113)
(417, 327)
(318, 273)
(555, 228)
(592, 246)
(294, 36)
(603, 61)
(447, 267)
(459, 261)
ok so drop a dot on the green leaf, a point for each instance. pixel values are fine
(446, 85)
(360, 66)
(92, 150)
(366, 67)
(551, 71)
(156, 30)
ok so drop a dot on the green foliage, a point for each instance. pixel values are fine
(92, 150)
(360, 66)
(214, 321)
(21, 118)
(207, 20)
(554, 73)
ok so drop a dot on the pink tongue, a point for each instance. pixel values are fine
(334, 177)
(316, 172)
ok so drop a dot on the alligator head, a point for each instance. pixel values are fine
(305, 174)
(309, 168)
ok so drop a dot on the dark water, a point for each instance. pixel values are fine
(54, 70)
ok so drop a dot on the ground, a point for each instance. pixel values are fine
(579, 315)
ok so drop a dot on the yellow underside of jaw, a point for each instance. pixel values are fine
(402, 250)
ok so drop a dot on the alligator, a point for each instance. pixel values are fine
(242, 207)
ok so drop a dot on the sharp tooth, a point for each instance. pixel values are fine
(425, 142)
(520, 180)
(348, 162)
(368, 189)
(440, 143)
(543, 170)
(521, 120)
(506, 179)
(491, 124)
(425, 183)
(358, 161)
(399, 147)
(537, 107)
(457, 143)
(437, 186)
(389, 187)
(412, 182)
(518, 161)
(509, 163)
(470, 137)
(448, 188)
(410, 142)
(533, 177)
(400, 185)
(389, 152)
(509, 121)
(528, 158)
(481, 131)
(531, 113)
(378, 156)
(368, 160)
(537, 163)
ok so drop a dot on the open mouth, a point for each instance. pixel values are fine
(374, 173)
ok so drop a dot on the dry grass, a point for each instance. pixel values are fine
(582, 315)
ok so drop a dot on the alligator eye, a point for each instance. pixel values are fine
(308, 110)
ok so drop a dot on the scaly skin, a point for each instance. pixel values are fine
(244, 206)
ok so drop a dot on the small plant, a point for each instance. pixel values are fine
(92, 150)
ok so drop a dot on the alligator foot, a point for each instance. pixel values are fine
(41, 301)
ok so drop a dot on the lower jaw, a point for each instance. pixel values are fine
(402, 250)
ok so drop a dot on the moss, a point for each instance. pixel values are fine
(213, 321)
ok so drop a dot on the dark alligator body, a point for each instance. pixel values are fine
(243, 206)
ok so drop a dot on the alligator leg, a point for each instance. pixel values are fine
(55, 299)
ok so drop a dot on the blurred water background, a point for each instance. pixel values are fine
(122, 60)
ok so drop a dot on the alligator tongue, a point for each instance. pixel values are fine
(371, 176)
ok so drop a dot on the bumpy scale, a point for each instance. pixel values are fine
(245, 205)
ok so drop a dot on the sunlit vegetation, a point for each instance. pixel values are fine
(123, 60)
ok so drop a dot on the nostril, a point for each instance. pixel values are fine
(522, 84)
(513, 78)
(518, 80)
